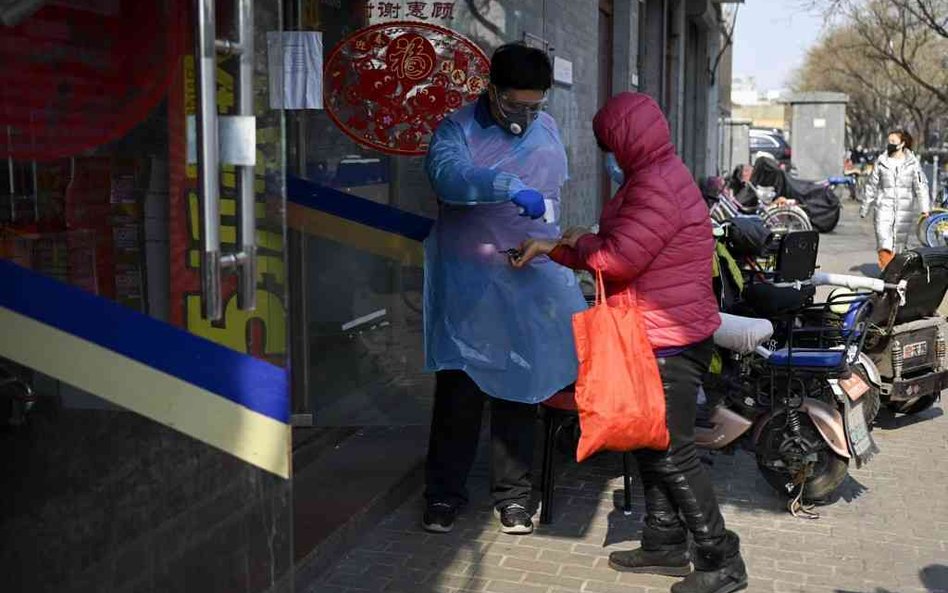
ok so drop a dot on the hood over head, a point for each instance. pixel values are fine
(633, 127)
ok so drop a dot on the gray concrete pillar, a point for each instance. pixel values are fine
(675, 69)
(735, 144)
(652, 47)
(818, 133)
(625, 35)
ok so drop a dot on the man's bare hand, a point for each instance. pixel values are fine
(532, 248)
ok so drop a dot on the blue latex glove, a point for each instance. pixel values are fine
(530, 202)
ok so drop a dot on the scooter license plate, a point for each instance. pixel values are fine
(914, 350)
(854, 386)
(861, 444)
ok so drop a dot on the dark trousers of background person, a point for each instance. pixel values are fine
(455, 431)
(676, 484)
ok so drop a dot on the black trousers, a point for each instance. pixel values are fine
(677, 487)
(455, 431)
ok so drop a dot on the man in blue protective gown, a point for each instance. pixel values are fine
(492, 333)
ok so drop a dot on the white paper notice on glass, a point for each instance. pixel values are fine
(296, 69)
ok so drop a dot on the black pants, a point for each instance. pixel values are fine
(455, 431)
(677, 487)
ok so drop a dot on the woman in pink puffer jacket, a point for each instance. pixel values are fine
(654, 247)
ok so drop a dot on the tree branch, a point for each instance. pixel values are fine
(885, 50)
(728, 42)
(926, 12)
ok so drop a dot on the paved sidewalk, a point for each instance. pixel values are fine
(889, 533)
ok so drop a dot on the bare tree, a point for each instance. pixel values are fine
(933, 13)
(881, 95)
(910, 34)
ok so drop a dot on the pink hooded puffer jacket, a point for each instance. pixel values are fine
(654, 244)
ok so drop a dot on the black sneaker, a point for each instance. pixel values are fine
(439, 517)
(514, 519)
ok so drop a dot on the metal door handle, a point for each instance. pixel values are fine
(238, 134)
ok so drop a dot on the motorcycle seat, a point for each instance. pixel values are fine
(926, 272)
(807, 359)
(771, 301)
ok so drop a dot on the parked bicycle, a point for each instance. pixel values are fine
(849, 182)
(782, 216)
(932, 229)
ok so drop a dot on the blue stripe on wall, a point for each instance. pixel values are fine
(367, 212)
(252, 383)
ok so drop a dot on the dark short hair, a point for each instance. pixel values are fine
(518, 66)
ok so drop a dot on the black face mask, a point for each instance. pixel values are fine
(515, 121)
(892, 148)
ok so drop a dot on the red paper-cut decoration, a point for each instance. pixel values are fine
(389, 85)
(411, 57)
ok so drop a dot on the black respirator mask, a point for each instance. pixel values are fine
(516, 116)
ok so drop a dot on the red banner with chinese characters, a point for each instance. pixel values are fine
(389, 85)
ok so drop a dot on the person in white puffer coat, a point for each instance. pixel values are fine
(898, 191)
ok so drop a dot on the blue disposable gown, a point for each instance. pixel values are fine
(509, 330)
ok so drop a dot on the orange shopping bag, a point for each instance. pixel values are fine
(619, 392)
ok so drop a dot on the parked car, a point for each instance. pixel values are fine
(770, 141)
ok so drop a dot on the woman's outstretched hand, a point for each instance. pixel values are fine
(532, 248)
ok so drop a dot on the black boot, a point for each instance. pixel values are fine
(719, 568)
(664, 551)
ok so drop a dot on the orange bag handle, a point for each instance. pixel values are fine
(601, 292)
(600, 289)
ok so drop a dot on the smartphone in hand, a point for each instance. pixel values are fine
(512, 254)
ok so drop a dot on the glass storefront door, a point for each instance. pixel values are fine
(144, 391)
(358, 213)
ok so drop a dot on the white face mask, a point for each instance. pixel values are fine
(613, 168)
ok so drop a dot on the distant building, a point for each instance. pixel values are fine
(763, 109)
(744, 91)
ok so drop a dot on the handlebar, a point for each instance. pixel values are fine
(850, 282)
(859, 283)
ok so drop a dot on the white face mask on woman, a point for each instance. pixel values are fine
(613, 168)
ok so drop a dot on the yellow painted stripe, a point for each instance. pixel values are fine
(194, 212)
(248, 435)
(406, 251)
